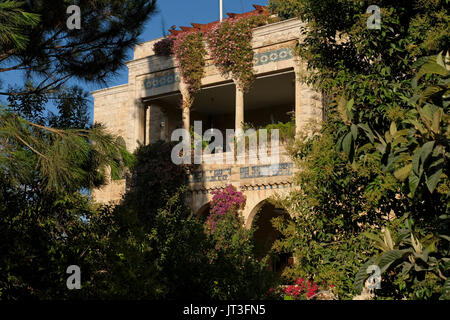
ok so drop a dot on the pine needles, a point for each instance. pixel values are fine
(13, 22)
(61, 160)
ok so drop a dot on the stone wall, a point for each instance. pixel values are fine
(157, 75)
(111, 109)
(123, 111)
(257, 179)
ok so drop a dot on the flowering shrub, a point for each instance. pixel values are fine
(190, 54)
(236, 272)
(306, 290)
(224, 202)
(164, 47)
(231, 49)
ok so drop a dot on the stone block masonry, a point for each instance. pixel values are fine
(136, 111)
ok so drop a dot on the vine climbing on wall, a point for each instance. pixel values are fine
(231, 48)
(190, 52)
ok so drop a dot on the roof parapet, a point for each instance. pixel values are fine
(259, 10)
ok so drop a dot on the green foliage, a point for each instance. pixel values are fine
(418, 261)
(220, 265)
(286, 130)
(331, 211)
(71, 103)
(286, 9)
(72, 156)
(54, 53)
(372, 67)
(386, 137)
(30, 106)
(237, 274)
(13, 23)
(153, 175)
(194, 136)
(46, 163)
(46, 222)
(40, 236)
(417, 148)
(124, 252)
(172, 242)
(175, 238)
(446, 290)
(72, 106)
(31, 151)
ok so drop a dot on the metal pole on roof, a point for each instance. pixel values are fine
(221, 10)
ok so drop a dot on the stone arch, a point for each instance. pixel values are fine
(203, 211)
(257, 198)
(198, 199)
(253, 212)
(265, 234)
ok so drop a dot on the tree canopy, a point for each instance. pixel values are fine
(53, 53)
(37, 42)
(381, 156)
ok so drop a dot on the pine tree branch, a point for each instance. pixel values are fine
(61, 132)
(12, 68)
(31, 148)
(7, 54)
(49, 88)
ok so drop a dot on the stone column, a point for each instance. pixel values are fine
(238, 130)
(164, 127)
(239, 113)
(139, 123)
(298, 98)
(154, 115)
(186, 116)
(308, 104)
(147, 125)
(186, 105)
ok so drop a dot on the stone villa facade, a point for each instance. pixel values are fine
(146, 109)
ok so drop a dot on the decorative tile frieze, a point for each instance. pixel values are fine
(250, 172)
(210, 175)
(161, 81)
(273, 56)
(282, 169)
(259, 59)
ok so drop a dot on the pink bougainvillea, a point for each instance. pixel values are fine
(231, 48)
(226, 201)
(190, 53)
(164, 47)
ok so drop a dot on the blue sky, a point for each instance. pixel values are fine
(170, 12)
